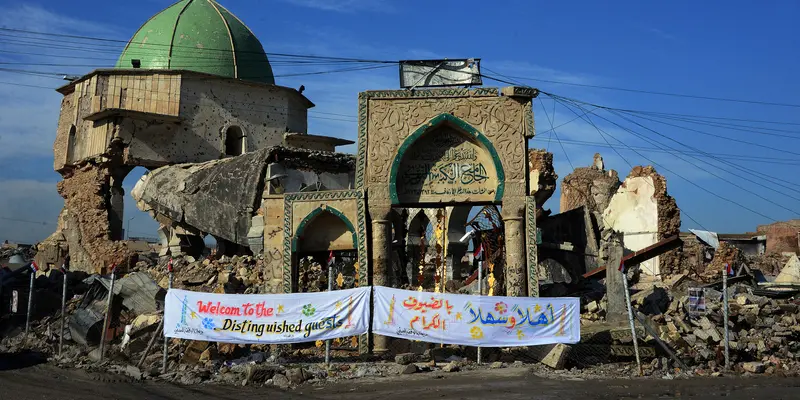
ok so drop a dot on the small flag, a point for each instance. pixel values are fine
(169, 265)
(478, 253)
(331, 258)
(34, 266)
(113, 268)
(622, 266)
(728, 269)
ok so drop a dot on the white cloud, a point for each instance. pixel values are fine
(345, 5)
(527, 72)
(35, 18)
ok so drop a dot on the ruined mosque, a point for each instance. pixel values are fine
(229, 154)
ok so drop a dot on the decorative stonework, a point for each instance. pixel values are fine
(391, 116)
(360, 229)
(531, 246)
(469, 170)
(530, 130)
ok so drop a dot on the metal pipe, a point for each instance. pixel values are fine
(661, 343)
(630, 319)
(30, 302)
(725, 316)
(166, 339)
(480, 293)
(330, 288)
(63, 309)
(107, 319)
(150, 343)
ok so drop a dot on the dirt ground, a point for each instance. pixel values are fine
(26, 377)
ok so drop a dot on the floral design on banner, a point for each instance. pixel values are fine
(309, 310)
(501, 307)
(476, 332)
(208, 323)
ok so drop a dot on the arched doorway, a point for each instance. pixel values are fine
(324, 232)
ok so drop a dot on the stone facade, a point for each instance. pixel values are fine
(168, 117)
(482, 157)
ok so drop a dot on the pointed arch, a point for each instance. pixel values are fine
(315, 213)
(462, 125)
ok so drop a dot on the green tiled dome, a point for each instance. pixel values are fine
(202, 36)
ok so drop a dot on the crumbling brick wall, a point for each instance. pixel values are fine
(669, 217)
(542, 175)
(85, 225)
(726, 253)
(592, 187)
(782, 236)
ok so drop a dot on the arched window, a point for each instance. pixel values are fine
(234, 141)
(71, 145)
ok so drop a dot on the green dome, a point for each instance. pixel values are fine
(202, 36)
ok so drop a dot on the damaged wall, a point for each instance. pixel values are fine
(644, 213)
(169, 117)
(782, 236)
(591, 186)
(83, 224)
(542, 176)
(221, 197)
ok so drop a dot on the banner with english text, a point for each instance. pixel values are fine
(486, 321)
(266, 318)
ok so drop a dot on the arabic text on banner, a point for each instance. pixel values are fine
(266, 318)
(475, 320)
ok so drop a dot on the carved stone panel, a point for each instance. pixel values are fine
(387, 121)
(445, 164)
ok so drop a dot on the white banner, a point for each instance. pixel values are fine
(266, 318)
(486, 321)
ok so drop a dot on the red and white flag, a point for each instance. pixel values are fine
(478, 253)
(34, 266)
(331, 258)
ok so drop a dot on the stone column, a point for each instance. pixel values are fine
(381, 257)
(513, 218)
(615, 292)
(515, 256)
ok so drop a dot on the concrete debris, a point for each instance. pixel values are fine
(790, 272)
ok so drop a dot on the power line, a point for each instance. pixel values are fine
(683, 212)
(767, 103)
(690, 129)
(727, 163)
(26, 85)
(193, 49)
(695, 184)
(740, 157)
(556, 134)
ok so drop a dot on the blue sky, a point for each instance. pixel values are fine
(729, 49)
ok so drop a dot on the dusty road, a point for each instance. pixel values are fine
(48, 382)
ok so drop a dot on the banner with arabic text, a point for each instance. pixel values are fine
(266, 318)
(486, 321)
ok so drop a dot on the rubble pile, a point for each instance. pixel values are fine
(83, 224)
(726, 254)
(237, 274)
